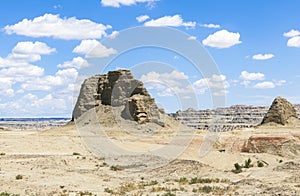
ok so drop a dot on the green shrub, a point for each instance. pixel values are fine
(115, 168)
(260, 164)
(19, 177)
(206, 189)
(183, 180)
(238, 168)
(248, 163)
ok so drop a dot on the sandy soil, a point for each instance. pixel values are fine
(58, 162)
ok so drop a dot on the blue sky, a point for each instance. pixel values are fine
(45, 47)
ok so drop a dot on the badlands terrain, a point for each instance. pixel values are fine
(121, 143)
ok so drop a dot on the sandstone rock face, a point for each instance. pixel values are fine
(281, 112)
(143, 109)
(282, 145)
(118, 88)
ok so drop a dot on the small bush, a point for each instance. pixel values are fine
(280, 161)
(85, 193)
(248, 163)
(19, 177)
(206, 189)
(183, 180)
(107, 190)
(2, 153)
(76, 153)
(238, 168)
(115, 168)
(260, 164)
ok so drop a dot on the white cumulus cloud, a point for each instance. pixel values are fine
(171, 21)
(192, 38)
(262, 56)
(217, 82)
(251, 76)
(142, 18)
(264, 85)
(50, 25)
(118, 3)
(113, 35)
(33, 48)
(292, 33)
(294, 42)
(77, 62)
(93, 49)
(222, 39)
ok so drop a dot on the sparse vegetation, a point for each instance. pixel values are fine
(260, 164)
(248, 163)
(7, 194)
(280, 161)
(115, 168)
(2, 153)
(19, 177)
(85, 193)
(107, 190)
(76, 153)
(206, 189)
(183, 180)
(237, 168)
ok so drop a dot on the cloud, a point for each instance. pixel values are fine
(118, 3)
(264, 85)
(60, 80)
(262, 56)
(31, 105)
(292, 33)
(173, 83)
(21, 73)
(93, 49)
(294, 42)
(171, 21)
(33, 48)
(192, 38)
(113, 35)
(217, 82)
(251, 76)
(50, 25)
(222, 39)
(280, 82)
(77, 62)
(167, 84)
(142, 18)
(211, 26)
(24, 53)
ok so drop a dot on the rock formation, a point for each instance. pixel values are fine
(233, 117)
(118, 89)
(281, 112)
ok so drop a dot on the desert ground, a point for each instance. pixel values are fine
(58, 162)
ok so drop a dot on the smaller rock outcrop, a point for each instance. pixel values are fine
(281, 112)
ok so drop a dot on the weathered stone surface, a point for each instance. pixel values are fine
(234, 117)
(281, 112)
(118, 88)
(143, 109)
(283, 145)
